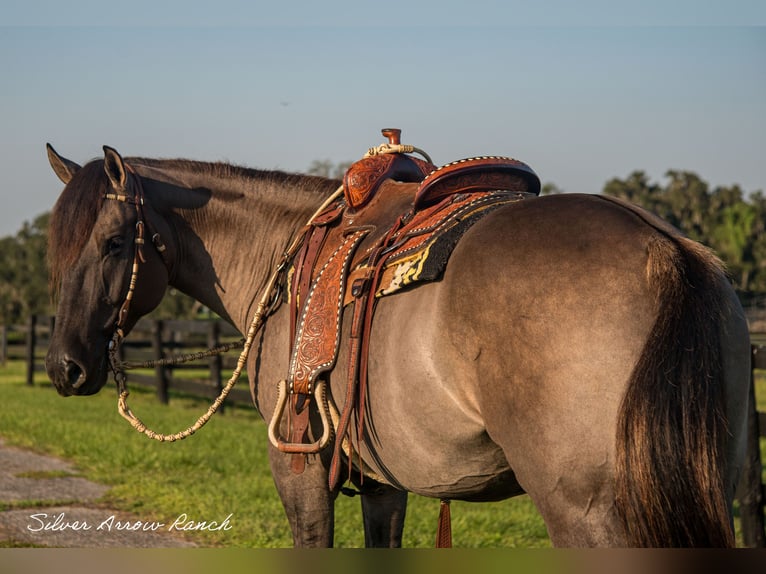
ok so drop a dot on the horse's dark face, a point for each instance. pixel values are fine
(93, 283)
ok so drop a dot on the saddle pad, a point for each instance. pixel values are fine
(421, 250)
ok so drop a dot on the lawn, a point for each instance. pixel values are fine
(221, 470)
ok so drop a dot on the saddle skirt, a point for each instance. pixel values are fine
(382, 236)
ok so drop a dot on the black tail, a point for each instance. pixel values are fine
(672, 426)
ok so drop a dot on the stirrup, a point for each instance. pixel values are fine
(276, 419)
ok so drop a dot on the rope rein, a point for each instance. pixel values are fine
(266, 305)
(181, 359)
(121, 378)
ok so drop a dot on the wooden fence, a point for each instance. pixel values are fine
(159, 339)
(149, 340)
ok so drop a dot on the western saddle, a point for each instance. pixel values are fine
(395, 225)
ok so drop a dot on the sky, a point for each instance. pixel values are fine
(582, 91)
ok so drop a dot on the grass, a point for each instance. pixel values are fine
(221, 470)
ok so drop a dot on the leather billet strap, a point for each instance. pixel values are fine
(352, 378)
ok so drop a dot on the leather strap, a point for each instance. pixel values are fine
(444, 529)
(351, 379)
(299, 422)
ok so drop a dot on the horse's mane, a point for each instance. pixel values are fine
(229, 171)
(74, 214)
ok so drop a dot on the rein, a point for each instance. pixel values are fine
(267, 304)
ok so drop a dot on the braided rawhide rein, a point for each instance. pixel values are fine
(266, 305)
(121, 378)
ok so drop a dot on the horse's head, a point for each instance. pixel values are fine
(95, 244)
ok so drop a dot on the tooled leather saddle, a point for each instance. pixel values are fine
(395, 225)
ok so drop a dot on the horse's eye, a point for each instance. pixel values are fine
(114, 245)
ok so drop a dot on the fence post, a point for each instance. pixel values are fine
(3, 344)
(751, 502)
(160, 372)
(216, 364)
(31, 344)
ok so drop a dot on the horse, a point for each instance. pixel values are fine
(576, 348)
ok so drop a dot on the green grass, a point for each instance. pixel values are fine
(222, 469)
(760, 401)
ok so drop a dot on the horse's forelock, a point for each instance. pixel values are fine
(73, 218)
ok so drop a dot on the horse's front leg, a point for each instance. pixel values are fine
(383, 509)
(308, 502)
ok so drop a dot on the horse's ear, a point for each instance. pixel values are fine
(115, 168)
(62, 167)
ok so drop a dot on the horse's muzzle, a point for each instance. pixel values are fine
(70, 377)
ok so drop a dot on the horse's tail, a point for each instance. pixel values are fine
(672, 425)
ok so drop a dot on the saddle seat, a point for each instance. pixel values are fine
(395, 225)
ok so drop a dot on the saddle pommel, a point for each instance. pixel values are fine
(363, 178)
(394, 135)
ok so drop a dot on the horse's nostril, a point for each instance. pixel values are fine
(73, 373)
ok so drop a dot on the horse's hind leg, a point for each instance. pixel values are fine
(577, 516)
(383, 509)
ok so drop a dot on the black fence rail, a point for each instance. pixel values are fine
(153, 339)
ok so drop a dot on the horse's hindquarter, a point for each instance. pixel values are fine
(522, 351)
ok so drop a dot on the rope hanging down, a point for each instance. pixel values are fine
(266, 304)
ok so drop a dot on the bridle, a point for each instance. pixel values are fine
(137, 199)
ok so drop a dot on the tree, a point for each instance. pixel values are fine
(326, 168)
(637, 189)
(733, 240)
(24, 274)
(687, 203)
(723, 219)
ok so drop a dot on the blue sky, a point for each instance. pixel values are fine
(579, 90)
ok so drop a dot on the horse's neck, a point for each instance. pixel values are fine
(230, 234)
